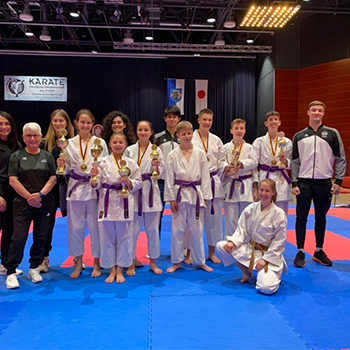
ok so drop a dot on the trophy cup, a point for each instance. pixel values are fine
(281, 145)
(96, 152)
(123, 171)
(62, 143)
(154, 156)
(236, 153)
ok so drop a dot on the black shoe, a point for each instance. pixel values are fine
(322, 258)
(299, 260)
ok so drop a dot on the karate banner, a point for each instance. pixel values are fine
(201, 95)
(176, 93)
(35, 88)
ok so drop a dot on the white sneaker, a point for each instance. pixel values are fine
(12, 282)
(3, 271)
(34, 275)
(44, 266)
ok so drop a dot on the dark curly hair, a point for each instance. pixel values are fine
(12, 138)
(107, 127)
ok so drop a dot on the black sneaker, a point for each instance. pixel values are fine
(299, 260)
(322, 258)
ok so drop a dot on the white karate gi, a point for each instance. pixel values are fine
(150, 215)
(261, 154)
(235, 205)
(116, 230)
(216, 155)
(82, 203)
(267, 227)
(178, 168)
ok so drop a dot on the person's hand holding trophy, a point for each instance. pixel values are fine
(124, 173)
(236, 152)
(96, 152)
(155, 162)
(62, 143)
(281, 154)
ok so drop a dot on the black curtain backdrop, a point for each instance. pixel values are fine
(137, 87)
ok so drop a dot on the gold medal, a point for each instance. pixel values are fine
(101, 215)
(83, 167)
(207, 158)
(274, 162)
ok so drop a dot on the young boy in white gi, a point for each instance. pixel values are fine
(215, 153)
(259, 241)
(187, 188)
(238, 187)
(273, 160)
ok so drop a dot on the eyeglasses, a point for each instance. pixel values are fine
(36, 137)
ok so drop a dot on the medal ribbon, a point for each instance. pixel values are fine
(273, 150)
(205, 147)
(116, 160)
(83, 155)
(140, 156)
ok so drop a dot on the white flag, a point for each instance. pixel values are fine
(201, 95)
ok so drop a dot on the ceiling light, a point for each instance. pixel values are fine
(26, 15)
(45, 35)
(220, 40)
(74, 14)
(211, 18)
(149, 36)
(28, 33)
(269, 16)
(250, 41)
(230, 23)
(128, 39)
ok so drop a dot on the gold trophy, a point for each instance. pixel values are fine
(62, 143)
(281, 145)
(96, 152)
(154, 156)
(124, 171)
(236, 153)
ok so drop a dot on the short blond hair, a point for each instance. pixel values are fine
(205, 111)
(238, 121)
(183, 125)
(317, 103)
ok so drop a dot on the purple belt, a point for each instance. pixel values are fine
(240, 179)
(126, 201)
(81, 179)
(269, 168)
(192, 184)
(150, 199)
(212, 174)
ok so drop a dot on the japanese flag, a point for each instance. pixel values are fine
(201, 95)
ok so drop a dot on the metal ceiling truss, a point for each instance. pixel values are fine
(176, 25)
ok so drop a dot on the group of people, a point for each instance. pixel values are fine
(132, 177)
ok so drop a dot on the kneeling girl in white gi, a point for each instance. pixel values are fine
(149, 204)
(259, 241)
(116, 212)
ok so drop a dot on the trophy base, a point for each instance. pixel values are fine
(123, 194)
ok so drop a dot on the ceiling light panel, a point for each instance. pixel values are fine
(275, 16)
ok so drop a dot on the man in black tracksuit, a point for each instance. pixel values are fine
(315, 149)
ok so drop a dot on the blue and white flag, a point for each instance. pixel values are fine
(176, 93)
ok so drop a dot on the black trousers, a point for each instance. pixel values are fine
(48, 245)
(21, 224)
(6, 225)
(320, 193)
